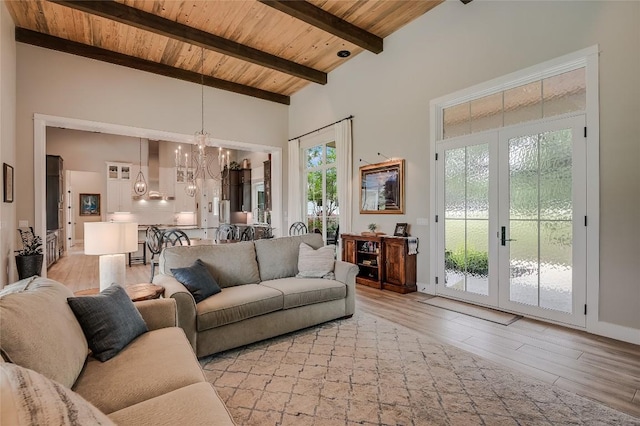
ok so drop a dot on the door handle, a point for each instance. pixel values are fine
(503, 236)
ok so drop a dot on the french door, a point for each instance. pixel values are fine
(511, 219)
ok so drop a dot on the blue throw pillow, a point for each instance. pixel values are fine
(109, 320)
(198, 280)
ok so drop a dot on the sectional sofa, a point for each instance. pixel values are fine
(46, 367)
(261, 295)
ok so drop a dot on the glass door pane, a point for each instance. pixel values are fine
(465, 176)
(540, 220)
(542, 205)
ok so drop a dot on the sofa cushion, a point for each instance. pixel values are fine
(236, 304)
(197, 404)
(307, 291)
(109, 320)
(278, 257)
(316, 263)
(229, 264)
(198, 280)
(155, 363)
(39, 330)
(29, 398)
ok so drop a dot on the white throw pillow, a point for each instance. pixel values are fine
(316, 263)
(29, 398)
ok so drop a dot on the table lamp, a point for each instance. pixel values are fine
(110, 240)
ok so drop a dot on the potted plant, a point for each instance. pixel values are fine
(29, 259)
(372, 230)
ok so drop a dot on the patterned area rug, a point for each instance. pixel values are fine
(366, 370)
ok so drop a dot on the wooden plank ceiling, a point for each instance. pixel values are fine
(266, 49)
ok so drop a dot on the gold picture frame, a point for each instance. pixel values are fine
(382, 188)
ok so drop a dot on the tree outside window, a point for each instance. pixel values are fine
(321, 189)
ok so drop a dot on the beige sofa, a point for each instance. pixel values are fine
(261, 296)
(155, 380)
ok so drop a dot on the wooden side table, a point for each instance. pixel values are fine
(137, 292)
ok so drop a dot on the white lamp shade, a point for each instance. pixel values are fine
(110, 237)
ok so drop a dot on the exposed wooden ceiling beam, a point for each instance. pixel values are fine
(168, 28)
(24, 35)
(319, 18)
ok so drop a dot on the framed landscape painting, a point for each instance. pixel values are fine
(382, 188)
(89, 204)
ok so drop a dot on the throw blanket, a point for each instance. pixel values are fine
(413, 245)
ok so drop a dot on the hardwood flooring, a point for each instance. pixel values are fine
(599, 368)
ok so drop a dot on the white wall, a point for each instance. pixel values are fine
(8, 224)
(63, 85)
(85, 183)
(455, 46)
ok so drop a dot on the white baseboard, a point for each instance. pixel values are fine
(426, 288)
(615, 331)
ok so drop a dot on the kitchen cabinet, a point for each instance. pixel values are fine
(267, 184)
(236, 187)
(245, 182)
(183, 203)
(119, 187)
(55, 193)
(384, 261)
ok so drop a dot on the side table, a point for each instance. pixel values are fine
(137, 292)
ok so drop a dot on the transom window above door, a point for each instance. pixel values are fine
(542, 98)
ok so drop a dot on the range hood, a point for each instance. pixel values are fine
(153, 173)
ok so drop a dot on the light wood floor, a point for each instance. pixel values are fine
(602, 369)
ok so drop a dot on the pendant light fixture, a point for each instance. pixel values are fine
(140, 186)
(200, 166)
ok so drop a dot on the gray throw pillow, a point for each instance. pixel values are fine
(316, 263)
(198, 280)
(109, 320)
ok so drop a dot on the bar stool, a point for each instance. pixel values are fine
(139, 259)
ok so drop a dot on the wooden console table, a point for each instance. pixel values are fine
(384, 261)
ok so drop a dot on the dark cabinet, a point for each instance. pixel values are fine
(245, 183)
(236, 187)
(384, 261)
(366, 252)
(55, 193)
(267, 185)
(400, 267)
(230, 182)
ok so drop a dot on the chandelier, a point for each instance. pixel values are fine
(199, 165)
(140, 186)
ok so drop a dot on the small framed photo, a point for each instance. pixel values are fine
(7, 183)
(401, 230)
(89, 204)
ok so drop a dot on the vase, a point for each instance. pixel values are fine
(28, 266)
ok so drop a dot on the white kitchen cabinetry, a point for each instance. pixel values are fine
(183, 202)
(118, 187)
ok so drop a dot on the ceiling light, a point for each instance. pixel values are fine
(198, 164)
(344, 53)
(140, 186)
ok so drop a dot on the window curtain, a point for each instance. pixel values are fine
(295, 186)
(344, 159)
